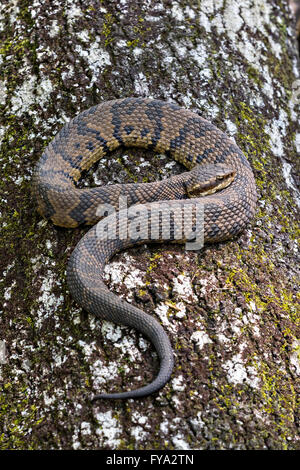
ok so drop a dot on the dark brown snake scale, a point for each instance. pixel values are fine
(209, 154)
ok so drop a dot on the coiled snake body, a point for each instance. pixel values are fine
(213, 159)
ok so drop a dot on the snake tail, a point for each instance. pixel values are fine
(89, 259)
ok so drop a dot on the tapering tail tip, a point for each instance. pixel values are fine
(162, 378)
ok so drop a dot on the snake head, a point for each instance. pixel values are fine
(209, 178)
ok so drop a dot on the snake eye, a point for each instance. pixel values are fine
(225, 176)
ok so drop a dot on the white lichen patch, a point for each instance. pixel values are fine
(277, 130)
(297, 142)
(180, 310)
(127, 348)
(2, 133)
(187, 99)
(85, 428)
(253, 320)
(31, 91)
(13, 9)
(87, 348)
(54, 28)
(24, 96)
(197, 422)
(3, 92)
(58, 359)
(177, 12)
(199, 55)
(287, 169)
(122, 340)
(205, 282)
(179, 442)
(164, 427)
(138, 433)
(231, 127)
(95, 56)
(43, 90)
(200, 338)
(8, 291)
(49, 303)
(103, 374)
(227, 330)
(111, 331)
(137, 418)
(40, 261)
(295, 356)
(8, 268)
(76, 445)
(178, 384)
(73, 12)
(141, 86)
(257, 15)
(121, 273)
(108, 429)
(162, 311)
(134, 279)
(48, 400)
(182, 286)
(232, 19)
(238, 372)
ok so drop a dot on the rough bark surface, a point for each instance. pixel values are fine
(231, 311)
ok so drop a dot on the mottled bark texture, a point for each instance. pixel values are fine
(231, 310)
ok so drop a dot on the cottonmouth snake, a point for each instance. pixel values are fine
(213, 160)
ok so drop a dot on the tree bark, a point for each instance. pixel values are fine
(231, 311)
